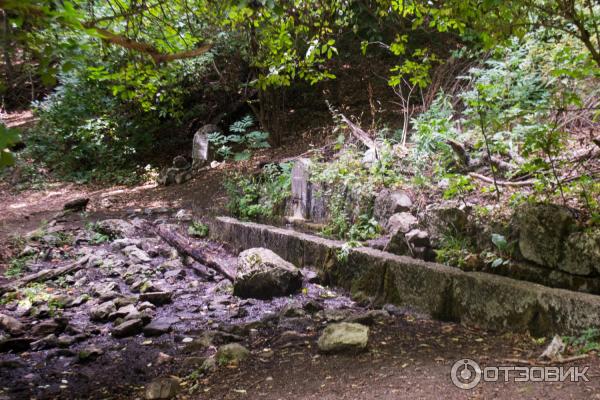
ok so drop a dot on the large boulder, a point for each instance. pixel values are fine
(542, 231)
(344, 337)
(262, 274)
(582, 253)
(163, 388)
(388, 203)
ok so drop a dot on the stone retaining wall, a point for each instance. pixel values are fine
(446, 293)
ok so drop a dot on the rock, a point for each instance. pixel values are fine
(201, 153)
(163, 388)
(46, 328)
(417, 238)
(582, 253)
(156, 298)
(368, 318)
(388, 203)
(159, 326)
(78, 204)
(344, 337)
(11, 325)
(448, 218)
(312, 306)
(115, 228)
(127, 328)
(65, 340)
(136, 255)
(401, 223)
(292, 311)
(89, 353)
(124, 312)
(146, 305)
(262, 274)
(184, 215)
(542, 231)
(77, 301)
(180, 162)
(120, 244)
(209, 365)
(103, 311)
(232, 353)
(47, 342)
(370, 157)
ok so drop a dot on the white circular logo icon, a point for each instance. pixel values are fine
(465, 374)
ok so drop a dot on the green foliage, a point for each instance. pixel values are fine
(8, 137)
(458, 186)
(343, 253)
(241, 138)
(348, 186)
(262, 196)
(588, 340)
(83, 137)
(431, 131)
(16, 266)
(454, 250)
(198, 229)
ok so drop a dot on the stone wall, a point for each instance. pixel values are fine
(446, 293)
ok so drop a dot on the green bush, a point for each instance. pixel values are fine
(85, 134)
(260, 196)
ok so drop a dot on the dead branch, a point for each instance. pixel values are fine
(183, 246)
(44, 275)
(359, 133)
(501, 183)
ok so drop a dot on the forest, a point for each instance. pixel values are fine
(298, 198)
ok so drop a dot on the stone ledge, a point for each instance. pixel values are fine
(474, 298)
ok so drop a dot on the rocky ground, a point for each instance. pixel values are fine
(135, 319)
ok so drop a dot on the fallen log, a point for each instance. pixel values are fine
(43, 275)
(184, 247)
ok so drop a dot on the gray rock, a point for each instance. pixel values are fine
(116, 228)
(448, 218)
(344, 337)
(46, 328)
(163, 388)
(11, 325)
(124, 312)
(102, 312)
(136, 255)
(15, 344)
(582, 253)
(159, 326)
(262, 274)
(388, 203)
(47, 342)
(120, 244)
(542, 231)
(89, 353)
(401, 223)
(370, 157)
(127, 328)
(232, 353)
